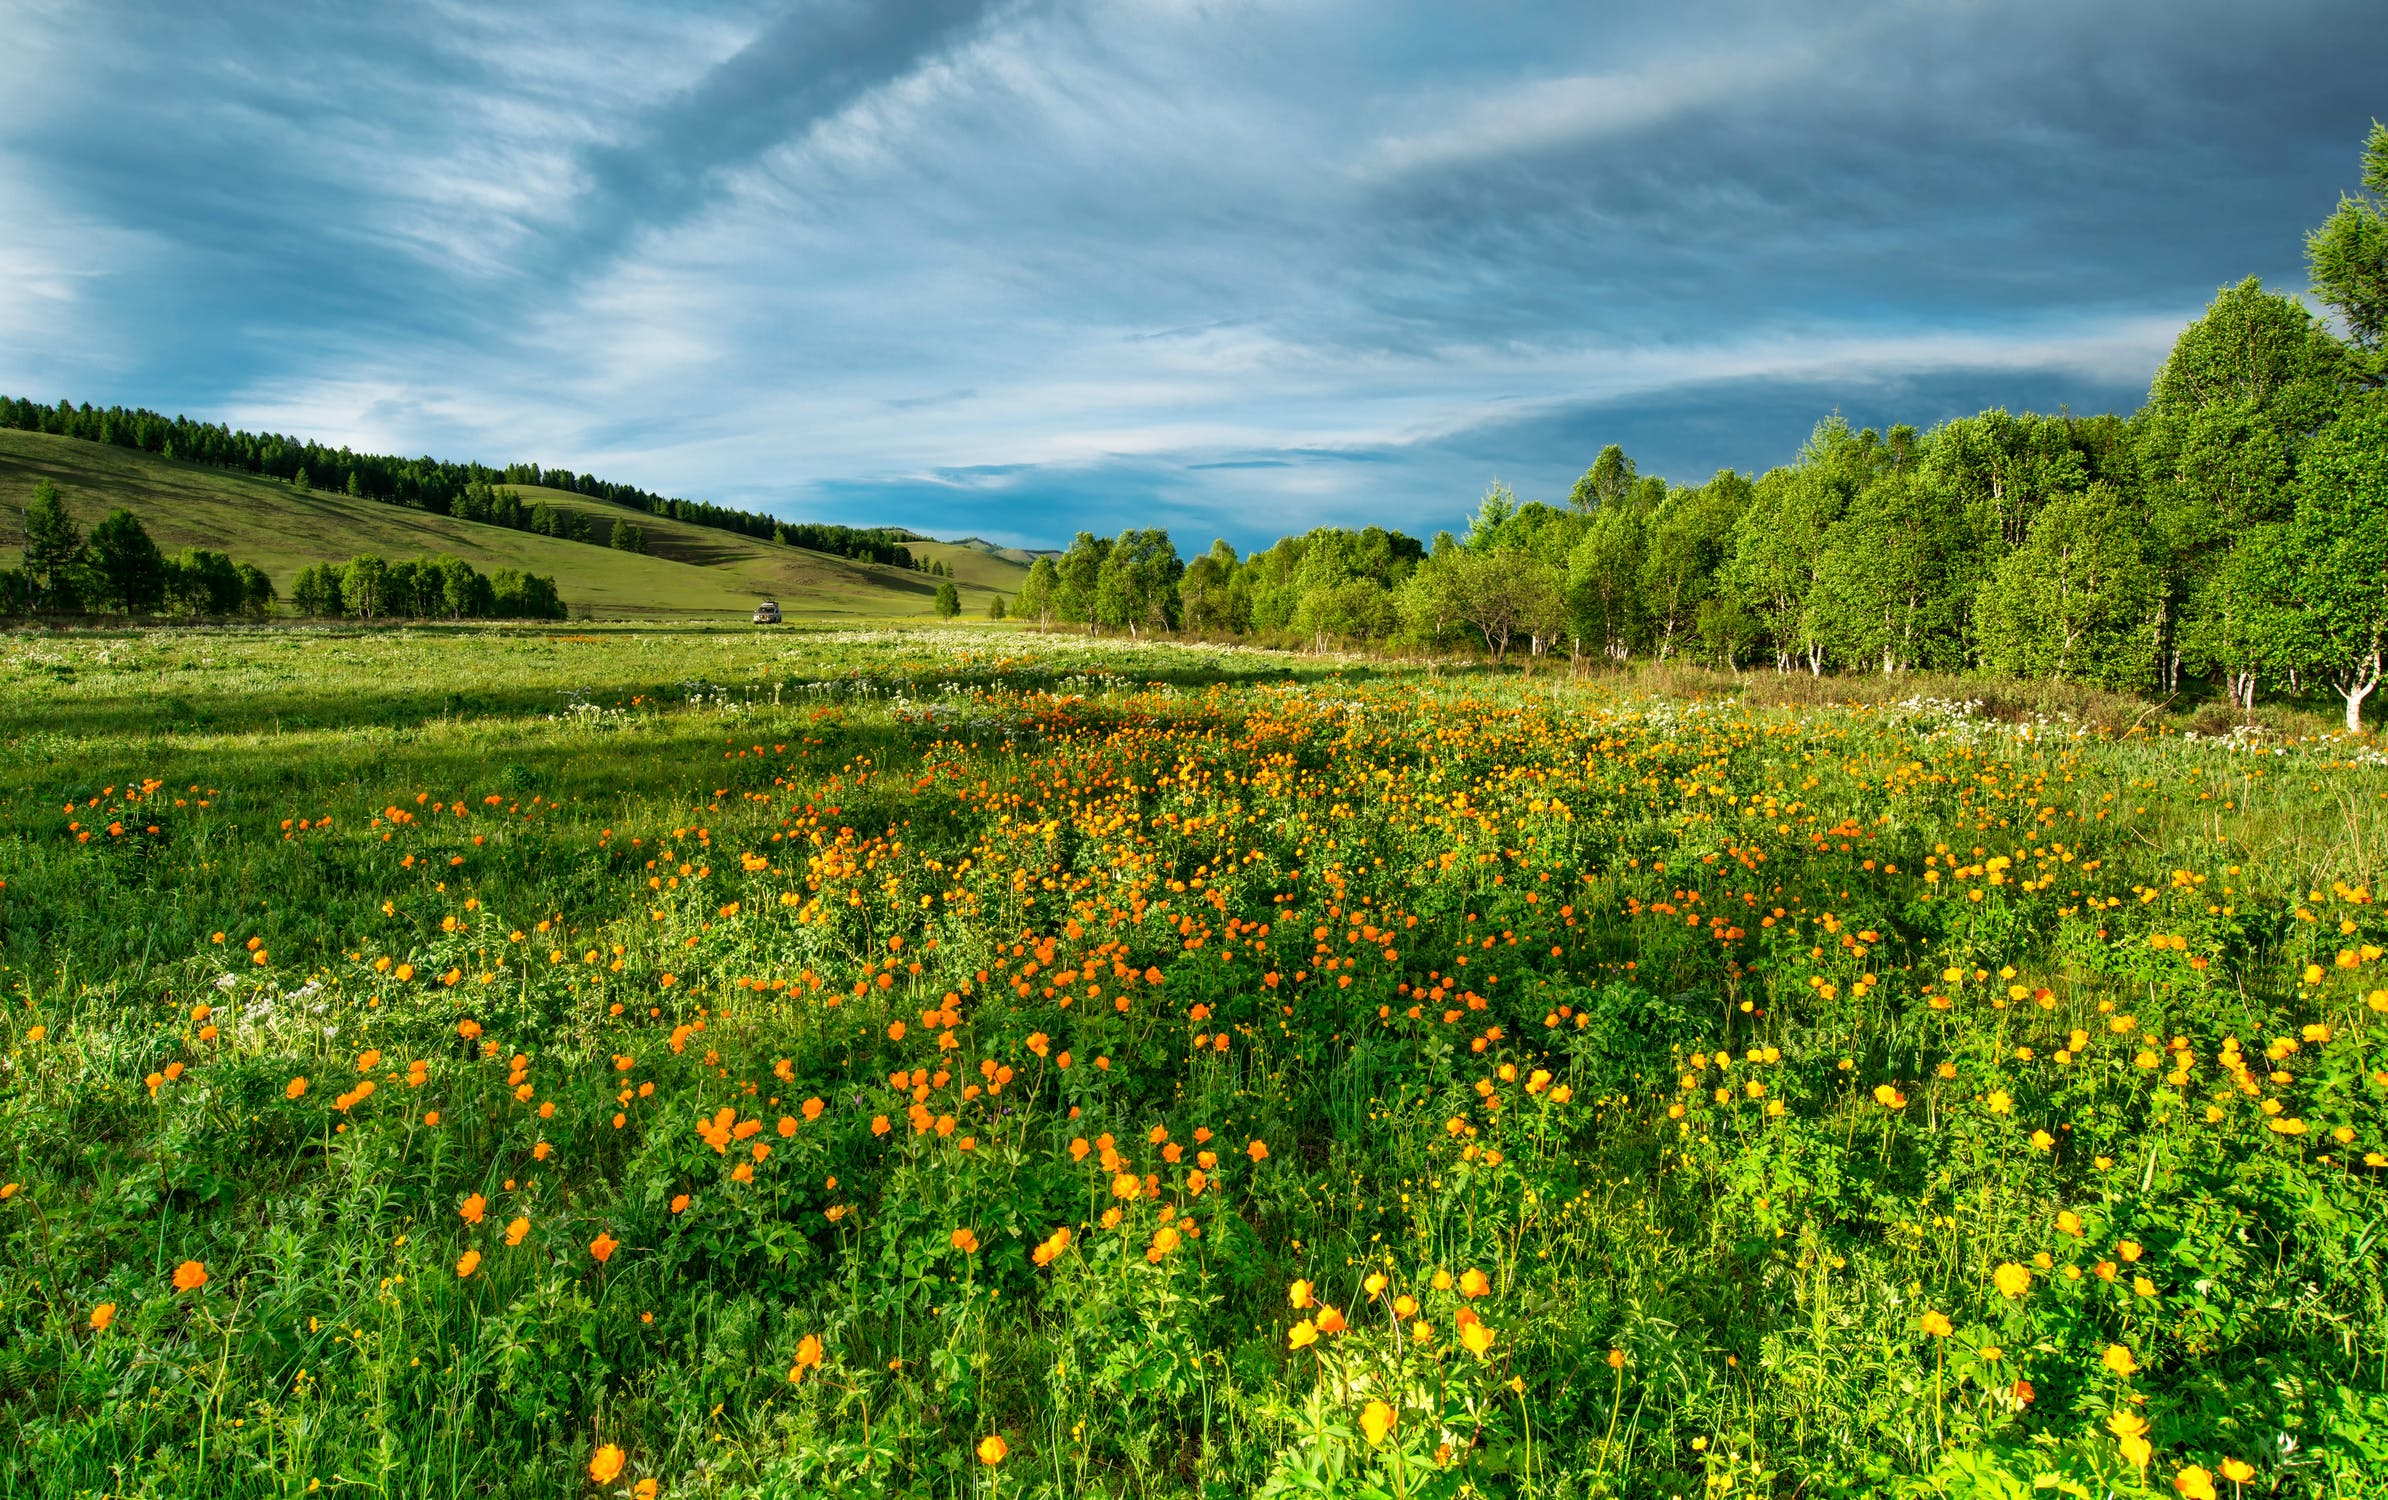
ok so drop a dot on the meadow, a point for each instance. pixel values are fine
(698, 1061)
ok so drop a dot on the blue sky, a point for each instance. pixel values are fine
(1019, 268)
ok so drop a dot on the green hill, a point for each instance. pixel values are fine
(688, 571)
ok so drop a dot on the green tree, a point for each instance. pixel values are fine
(204, 582)
(315, 593)
(1604, 579)
(2075, 602)
(256, 592)
(1076, 578)
(995, 607)
(1500, 593)
(1136, 586)
(1207, 598)
(2244, 626)
(1608, 481)
(1036, 601)
(948, 602)
(2348, 258)
(128, 572)
(53, 549)
(1779, 538)
(1685, 544)
(2258, 347)
(628, 538)
(2340, 532)
(364, 585)
(1894, 577)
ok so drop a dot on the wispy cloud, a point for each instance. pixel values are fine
(1018, 266)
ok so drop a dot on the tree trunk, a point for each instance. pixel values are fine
(2355, 686)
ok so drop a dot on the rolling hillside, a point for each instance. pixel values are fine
(689, 571)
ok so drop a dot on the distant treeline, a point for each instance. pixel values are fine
(878, 544)
(2234, 530)
(470, 491)
(367, 587)
(119, 569)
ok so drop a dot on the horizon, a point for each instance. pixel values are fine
(1018, 270)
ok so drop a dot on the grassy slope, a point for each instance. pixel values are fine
(691, 570)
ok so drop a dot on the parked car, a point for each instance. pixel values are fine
(767, 612)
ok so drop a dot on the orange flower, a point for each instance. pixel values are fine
(294, 1088)
(473, 1209)
(606, 1466)
(680, 1203)
(991, 1450)
(1258, 1151)
(603, 1247)
(1330, 1320)
(645, 1489)
(516, 1230)
(808, 1356)
(1478, 1337)
(190, 1276)
(102, 1316)
(468, 1262)
(1473, 1284)
(965, 1241)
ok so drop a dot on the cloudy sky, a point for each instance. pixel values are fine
(1022, 267)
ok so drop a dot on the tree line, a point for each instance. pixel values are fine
(368, 587)
(469, 491)
(118, 567)
(2233, 530)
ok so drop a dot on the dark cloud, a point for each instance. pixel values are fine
(814, 59)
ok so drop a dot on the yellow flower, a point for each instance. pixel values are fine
(2195, 1483)
(606, 1466)
(1376, 1419)
(2012, 1279)
(991, 1450)
(1304, 1334)
(1473, 1284)
(2130, 1435)
(2119, 1360)
(2237, 1471)
(2041, 1140)
(1299, 1294)
(1479, 1339)
(1937, 1325)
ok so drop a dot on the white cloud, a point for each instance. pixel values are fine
(1586, 109)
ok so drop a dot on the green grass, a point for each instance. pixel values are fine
(1747, 1041)
(690, 572)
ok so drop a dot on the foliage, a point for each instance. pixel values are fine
(1197, 1071)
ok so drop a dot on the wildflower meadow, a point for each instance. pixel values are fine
(653, 1062)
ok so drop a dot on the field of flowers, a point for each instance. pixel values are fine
(734, 1064)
